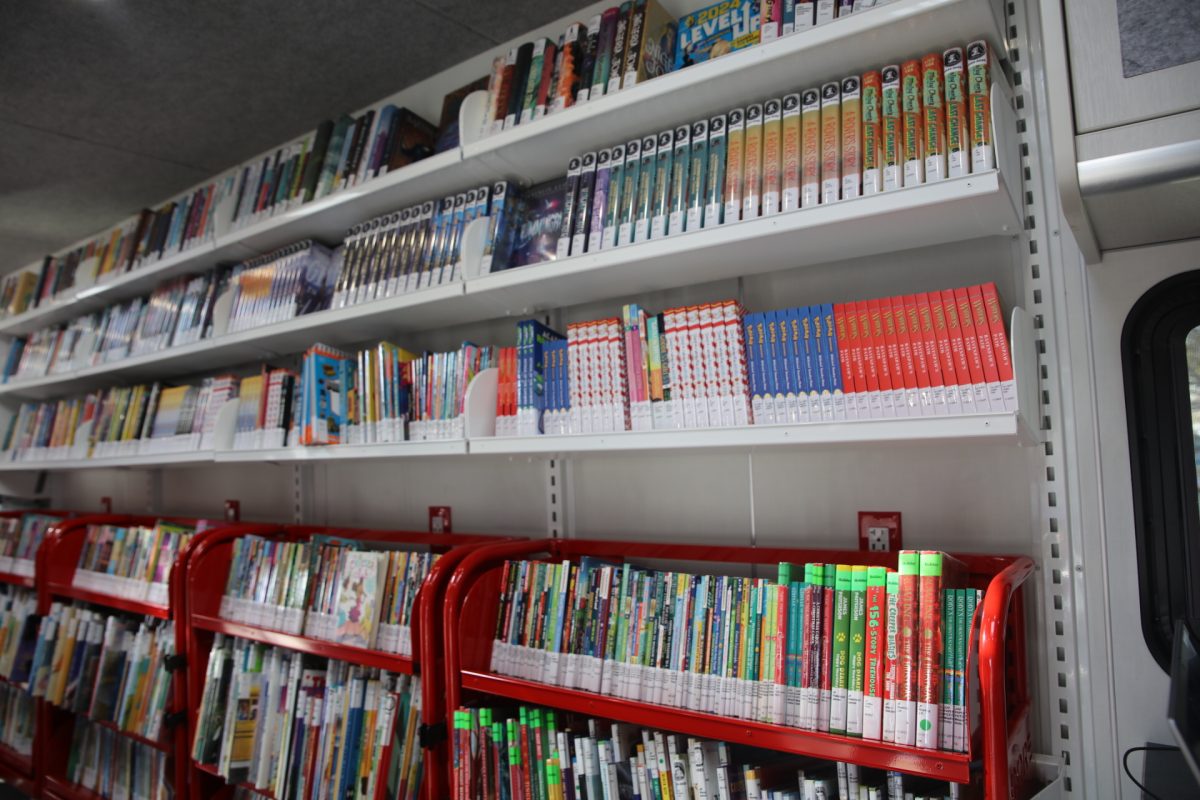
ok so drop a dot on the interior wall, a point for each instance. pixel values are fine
(1136, 686)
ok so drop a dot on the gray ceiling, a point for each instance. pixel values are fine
(109, 105)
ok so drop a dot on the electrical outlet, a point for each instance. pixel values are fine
(879, 531)
(439, 519)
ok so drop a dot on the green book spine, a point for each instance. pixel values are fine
(962, 733)
(959, 662)
(841, 648)
(858, 632)
(949, 638)
(645, 195)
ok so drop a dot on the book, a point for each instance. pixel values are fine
(539, 234)
(713, 31)
(531, 752)
(737, 647)
(306, 724)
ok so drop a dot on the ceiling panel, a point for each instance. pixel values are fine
(109, 105)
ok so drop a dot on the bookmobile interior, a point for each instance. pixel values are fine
(1088, 226)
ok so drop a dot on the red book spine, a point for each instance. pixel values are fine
(854, 348)
(879, 346)
(983, 333)
(912, 321)
(843, 339)
(526, 774)
(780, 635)
(958, 348)
(866, 346)
(826, 649)
(908, 359)
(906, 648)
(995, 319)
(808, 654)
(929, 652)
(928, 339)
(895, 363)
(970, 340)
(543, 94)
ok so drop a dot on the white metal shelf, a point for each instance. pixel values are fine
(999, 428)
(156, 460)
(539, 150)
(345, 452)
(970, 207)
(900, 30)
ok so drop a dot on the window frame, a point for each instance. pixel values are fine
(1162, 453)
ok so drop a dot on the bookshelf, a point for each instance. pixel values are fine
(538, 151)
(19, 769)
(1001, 729)
(204, 567)
(971, 207)
(940, 222)
(58, 558)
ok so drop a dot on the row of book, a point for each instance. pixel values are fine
(349, 591)
(109, 667)
(410, 249)
(414, 248)
(713, 365)
(281, 285)
(532, 753)
(114, 766)
(336, 156)
(16, 720)
(18, 632)
(20, 538)
(129, 420)
(625, 45)
(133, 562)
(923, 120)
(300, 729)
(136, 242)
(795, 652)
(617, 48)
(348, 399)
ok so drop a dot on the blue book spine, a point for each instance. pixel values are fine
(799, 366)
(817, 324)
(812, 381)
(833, 356)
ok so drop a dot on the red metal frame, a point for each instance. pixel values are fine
(15, 769)
(469, 613)
(204, 565)
(57, 560)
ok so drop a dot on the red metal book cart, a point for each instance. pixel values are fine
(57, 560)
(1000, 739)
(17, 769)
(205, 566)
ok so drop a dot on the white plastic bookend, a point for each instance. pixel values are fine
(222, 308)
(224, 428)
(1004, 139)
(1021, 394)
(474, 238)
(79, 449)
(480, 404)
(85, 275)
(470, 117)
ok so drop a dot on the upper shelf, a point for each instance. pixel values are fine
(970, 207)
(540, 150)
(900, 30)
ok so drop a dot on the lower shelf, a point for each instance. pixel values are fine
(60, 788)
(864, 752)
(1005, 427)
(112, 601)
(137, 737)
(211, 769)
(304, 644)
(16, 769)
